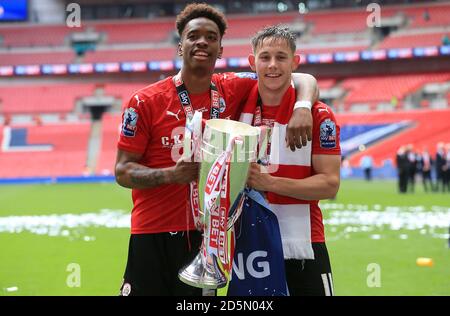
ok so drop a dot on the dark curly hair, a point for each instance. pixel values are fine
(200, 10)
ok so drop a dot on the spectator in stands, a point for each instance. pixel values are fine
(291, 193)
(38, 120)
(412, 167)
(7, 120)
(424, 163)
(346, 169)
(445, 40)
(366, 163)
(446, 170)
(163, 235)
(402, 169)
(439, 166)
(394, 102)
(426, 15)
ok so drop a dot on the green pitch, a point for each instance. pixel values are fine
(69, 239)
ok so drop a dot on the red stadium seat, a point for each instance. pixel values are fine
(33, 58)
(383, 88)
(41, 98)
(414, 40)
(110, 135)
(41, 35)
(67, 158)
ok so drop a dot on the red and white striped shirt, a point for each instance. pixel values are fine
(300, 220)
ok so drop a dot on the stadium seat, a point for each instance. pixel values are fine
(66, 158)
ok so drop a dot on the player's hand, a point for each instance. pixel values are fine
(184, 172)
(258, 180)
(299, 129)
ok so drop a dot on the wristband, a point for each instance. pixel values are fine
(303, 104)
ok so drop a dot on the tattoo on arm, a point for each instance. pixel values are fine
(148, 177)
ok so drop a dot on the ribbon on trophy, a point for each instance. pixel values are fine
(191, 150)
(218, 184)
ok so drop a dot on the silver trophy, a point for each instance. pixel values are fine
(226, 150)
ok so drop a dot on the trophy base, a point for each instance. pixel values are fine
(196, 275)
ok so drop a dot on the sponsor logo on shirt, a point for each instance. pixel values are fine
(137, 100)
(173, 114)
(169, 142)
(184, 98)
(203, 109)
(323, 110)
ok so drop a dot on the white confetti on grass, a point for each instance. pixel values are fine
(66, 225)
(396, 217)
(344, 219)
(353, 218)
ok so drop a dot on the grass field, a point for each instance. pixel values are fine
(374, 237)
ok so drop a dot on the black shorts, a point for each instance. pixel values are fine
(154, 261)
(310, 277)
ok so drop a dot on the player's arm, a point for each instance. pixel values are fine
(131, 174)
(299, 129)
(323, 185)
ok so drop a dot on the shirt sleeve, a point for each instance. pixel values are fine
(326, 131)
(135, 128)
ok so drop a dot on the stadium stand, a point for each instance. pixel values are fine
(134, 32)
(347, 21)
(326, 83)
(122, 90)
(167, 53)
(245, 26)
(36, 58)
(325, 31)
(42, 98)
(48, 35)
(154, 39)
(412, 40)
(382, 89)
(438, 15)
(67, 156)
(110, 133)
(427, 129)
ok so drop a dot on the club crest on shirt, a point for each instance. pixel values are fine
(328, 134)
(129, 122)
